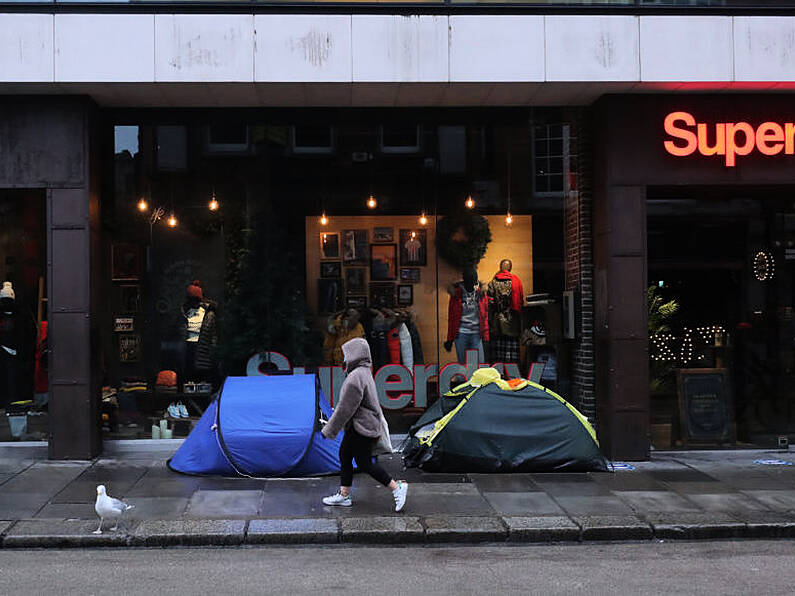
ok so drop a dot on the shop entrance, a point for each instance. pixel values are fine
(721, 267)
(23, 316)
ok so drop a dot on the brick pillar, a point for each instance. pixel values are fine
(579, 267)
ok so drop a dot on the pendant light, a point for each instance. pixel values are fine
(423, 219)
(172, 220)
(323, 219)
(213, 204)
(470, 202)
(371, 202)
(143, 205)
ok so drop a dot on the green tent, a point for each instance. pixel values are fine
(491, 425)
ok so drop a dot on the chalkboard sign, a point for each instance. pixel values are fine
(705, 405)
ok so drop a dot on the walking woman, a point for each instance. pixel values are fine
(359, 414)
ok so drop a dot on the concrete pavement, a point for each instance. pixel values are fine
(692, 495)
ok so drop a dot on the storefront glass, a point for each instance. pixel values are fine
(721, 267)
(304, 231)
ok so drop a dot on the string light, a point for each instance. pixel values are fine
(213, 204)
(423, 219)
(142, 205)
(764, 266)
(371, 202)
(413, 234)
(323, 221)
(172, 220)
(508, 219)
(470, 202)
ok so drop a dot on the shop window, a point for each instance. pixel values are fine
(553, 159)
(312, 138)
(172, 148)
(227, 138)
(397, 138)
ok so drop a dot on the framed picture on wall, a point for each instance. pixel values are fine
(330, 269)
(356, 302)
(355, 280)
(355, 247)
(383, 262)
(125, 262)
(411, 276)
(384, 235)
(129, 298)
(413, 245)
(405, 295)
(329, 295)
(130, 347)
(329, 245)
(382, 295)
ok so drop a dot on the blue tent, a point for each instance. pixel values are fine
(261, 427)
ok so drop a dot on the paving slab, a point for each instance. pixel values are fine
(151, 485)
(629, 480)
(553, 528)
(198, 532)
(4, 525)
(292, 531)
(69, 511)
(578, 484)
(382, 530)
(732, 503)
(61, 534)
(158, 507)
(464, 529)
(523, 504)
(680, 475)
(5, 477)
(612, 527)
(776, 500)
(42, 478)
(695, 526)
(224, 504)
(593, 505)
(711, 487)
(657, 501)
(502, 483)
(21, 505)
(231, 484)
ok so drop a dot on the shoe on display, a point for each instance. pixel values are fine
(538, 328)
(183, 411)
(173, 411)
(338, 500)
(400, 494)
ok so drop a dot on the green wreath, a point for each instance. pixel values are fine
(462, 239)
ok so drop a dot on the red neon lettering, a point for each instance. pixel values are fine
(770, 138)
(767, 133)
(680, 133)
(720, 140)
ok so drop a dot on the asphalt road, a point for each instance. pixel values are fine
(731, 567)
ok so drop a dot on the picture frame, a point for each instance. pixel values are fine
(129, 298)
(329, 295)
(330, 269)
(129, 347)
(125, 262)
(413, 248)
(123, 324)
(383, 262)
(356, 302)
(355, 247)
(356, 280)
(405, 295)
(382, 295)
(410, 275)
(329, 245)
(383, 234)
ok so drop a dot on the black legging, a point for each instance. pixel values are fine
(360, 448)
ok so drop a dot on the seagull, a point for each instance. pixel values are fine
(108, 507)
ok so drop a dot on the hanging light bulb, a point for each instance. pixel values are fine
(323, 219)
(371, 202)
(423, 219)
(213, 204)
(413, 234)
(470, 202)
(142, 205)
(172, 220)
(508, 219)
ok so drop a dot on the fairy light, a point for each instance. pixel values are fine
(142, 205)
(470, 202)
(324, 222)
(508, 219)
(423, 219)
(371, 202)
(764, 266)
(213, 204)
(172, 220)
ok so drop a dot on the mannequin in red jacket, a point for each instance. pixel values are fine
(467, 317)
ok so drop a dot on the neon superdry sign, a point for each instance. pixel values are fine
(726, 139)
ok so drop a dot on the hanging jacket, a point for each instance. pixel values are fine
(379, 340)
(10, 331)
(393, 345)
(456, 307)
(416, 344)
(204, 358)
(406, 354)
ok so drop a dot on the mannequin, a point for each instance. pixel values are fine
(467, 317)
(10, 345)
(506, 296)
(201, 335)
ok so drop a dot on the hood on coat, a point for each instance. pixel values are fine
(356, 353)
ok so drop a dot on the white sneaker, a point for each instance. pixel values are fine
(400, 495)
(338, 500)
(183, 411)
(173, 411)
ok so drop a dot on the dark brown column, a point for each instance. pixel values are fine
(622, 368)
